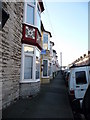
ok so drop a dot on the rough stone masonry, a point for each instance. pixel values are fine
(10, 50)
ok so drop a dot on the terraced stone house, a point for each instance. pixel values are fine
(20, 49)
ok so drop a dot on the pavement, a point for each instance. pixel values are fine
(51, 102)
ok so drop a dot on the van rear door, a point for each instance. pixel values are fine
(89, 76)
(81, 82)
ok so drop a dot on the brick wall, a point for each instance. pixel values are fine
(11, 52)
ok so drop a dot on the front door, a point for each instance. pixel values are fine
(45, 68)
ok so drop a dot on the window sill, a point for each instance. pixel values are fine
(29, 81)
(46, 77)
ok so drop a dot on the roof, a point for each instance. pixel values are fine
(52, 42)
(75, 66)
(42, 26)
(88, 52)
(43, 29)
(54, 51)
(48, 32)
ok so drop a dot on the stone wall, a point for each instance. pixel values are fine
(11, 52)
(45, 80)
(0, 75)
(29, 89)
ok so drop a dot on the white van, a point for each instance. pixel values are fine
(78, 81)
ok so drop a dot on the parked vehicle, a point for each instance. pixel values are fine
(78, 82)
(67, 77)
(86, 104)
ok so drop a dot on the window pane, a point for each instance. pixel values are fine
(45, 46)
(30, 32)
(30, 15)
(45, 41)
(28, 49)
(37, 64)
(28, 67)
(37, 53)
(81, 77)
(45, 38)
(45, 67)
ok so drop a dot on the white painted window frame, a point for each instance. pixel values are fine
(47, 69)
(22, 80)
(48, 41)
(35, 64)
(35, 13)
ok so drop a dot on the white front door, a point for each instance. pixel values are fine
(45, 68)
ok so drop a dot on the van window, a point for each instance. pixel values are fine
(80, 77)
(89, 76)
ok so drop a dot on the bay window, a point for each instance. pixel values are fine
(45, 41)
(32, 14)
(30, 67)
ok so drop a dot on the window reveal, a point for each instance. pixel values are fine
(38, 18)
(37, 64)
